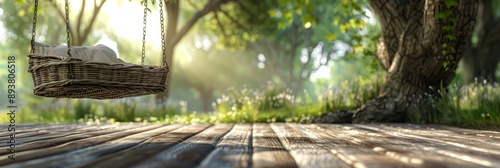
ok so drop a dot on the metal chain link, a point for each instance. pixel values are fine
(70, 66)
(165, 64)
(144, 32)
(33, 32)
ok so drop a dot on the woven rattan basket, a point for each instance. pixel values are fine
(51, 78)
(70, 77)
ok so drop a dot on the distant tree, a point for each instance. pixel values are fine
(175, 30)
(210, 69)
(481, 59)
(298, 45)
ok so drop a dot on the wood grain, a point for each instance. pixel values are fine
(233, 151)
(251, 145)
(190, 152)
(268, 150)
(37, 150)
(305, 149)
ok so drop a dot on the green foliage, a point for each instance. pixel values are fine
(237, 24)
(476, 105)
(276, 97)
(84, 109)
(246, 104)
(445, 17)
(351, 94)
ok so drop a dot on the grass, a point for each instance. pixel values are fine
(476, 106)
(351, 94)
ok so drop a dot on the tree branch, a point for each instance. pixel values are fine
(293, 50)
(234, 21)
(210, 6)
(219, 23)
(62, 16)
(193, 4)
(79, 21)
(244, 8)
(91, 23)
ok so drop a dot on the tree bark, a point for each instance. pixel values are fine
(480, 62)
(414, 38)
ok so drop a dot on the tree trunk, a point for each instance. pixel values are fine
(419, 53)
(169, 53)
(206, 95)
(480, 62)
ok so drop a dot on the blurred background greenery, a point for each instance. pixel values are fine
(244, 61)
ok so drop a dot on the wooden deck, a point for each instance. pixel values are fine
(250, 145)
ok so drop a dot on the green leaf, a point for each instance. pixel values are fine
(308, 18)
(447, 27)
(298, 11)
(454, 20)
(361, 23)
(331, 36)
(450, 3)
(445, 64)
(448, 12)
(336, 21)
(444, 45)
(282, 25)
(357, 39)
(288, 16)
(344, 27)
(452, 49)
(352, 22)
(441, 15)
(273, 13)
(357, 48)
(450, 37)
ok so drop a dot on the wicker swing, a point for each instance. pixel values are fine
(69, 77)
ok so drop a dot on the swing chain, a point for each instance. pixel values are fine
(70, 66)
(144, 32)
(33, 32)
(163, 35)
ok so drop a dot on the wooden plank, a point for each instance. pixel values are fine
(33, 151)
(350, 152)
(478, 153)
(268, 150)
(407, 152)
(412, 151)
(148, 149)
(191, 152)
(22, 130)
(304, 149)
(52, 134)
(483, 144)
(53, 142)
(233, 151)
(463, 131)
(106, 150)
